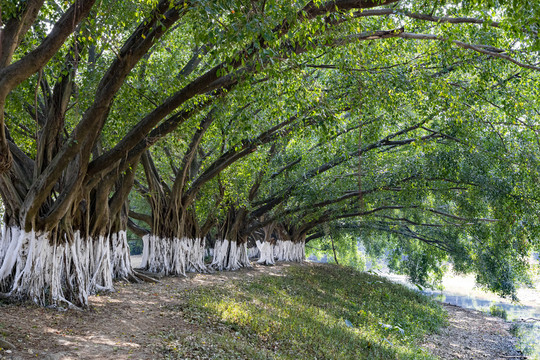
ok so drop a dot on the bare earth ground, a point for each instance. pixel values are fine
(473, 335)
(132, 323)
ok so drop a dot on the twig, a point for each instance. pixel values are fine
(334, 250)
(530, 319)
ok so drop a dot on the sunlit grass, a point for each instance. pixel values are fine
(315, 312)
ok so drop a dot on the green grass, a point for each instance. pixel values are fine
(314, 312)
(498, 311)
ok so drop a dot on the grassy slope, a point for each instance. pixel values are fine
(303, 316)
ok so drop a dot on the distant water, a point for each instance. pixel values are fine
(461, 291)
(527, 331)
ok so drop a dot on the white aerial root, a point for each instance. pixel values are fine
(145, 251)
(238, 256)
(4, 245)
(101, 267)
(172, 256)
(282, 250)
(230, 256)
(66, 272)
(253, 252)
(220, 255)
(195, 255)
(121, 260)
(161, 255)
(266, 253)
(298, 251)
(289, 251)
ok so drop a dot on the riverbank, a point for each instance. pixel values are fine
(461, 291)
(255, 313)
(473, 335)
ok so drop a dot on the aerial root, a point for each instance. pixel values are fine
(146, 278)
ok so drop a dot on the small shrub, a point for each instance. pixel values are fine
(498, 311)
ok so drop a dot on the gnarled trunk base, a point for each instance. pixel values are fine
(266, 251)
(121, 259)
(286, 250)
(172, 256)
(228, 255)
(253, 252)
(196, 253)
(53, 272)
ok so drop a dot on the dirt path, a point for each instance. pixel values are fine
(473, 335)
(128, 324)
(133, 322)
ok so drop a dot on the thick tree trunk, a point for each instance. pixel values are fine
(290, 246)
(119, 207)
(121, 260)
(230, 255)
(64, 264)
(266, 250)
(51, 270)
(166, 256)
(174, 246)
(287, 250)
(253, 252)
(231, 252)
(266, 246)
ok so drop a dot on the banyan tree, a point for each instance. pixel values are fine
(87, 87)
(175, 242)
(55, 247)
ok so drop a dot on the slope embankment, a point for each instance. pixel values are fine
(279, 312)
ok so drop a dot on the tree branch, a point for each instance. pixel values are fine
(14, 74)
(483, 49)
(139, 216)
